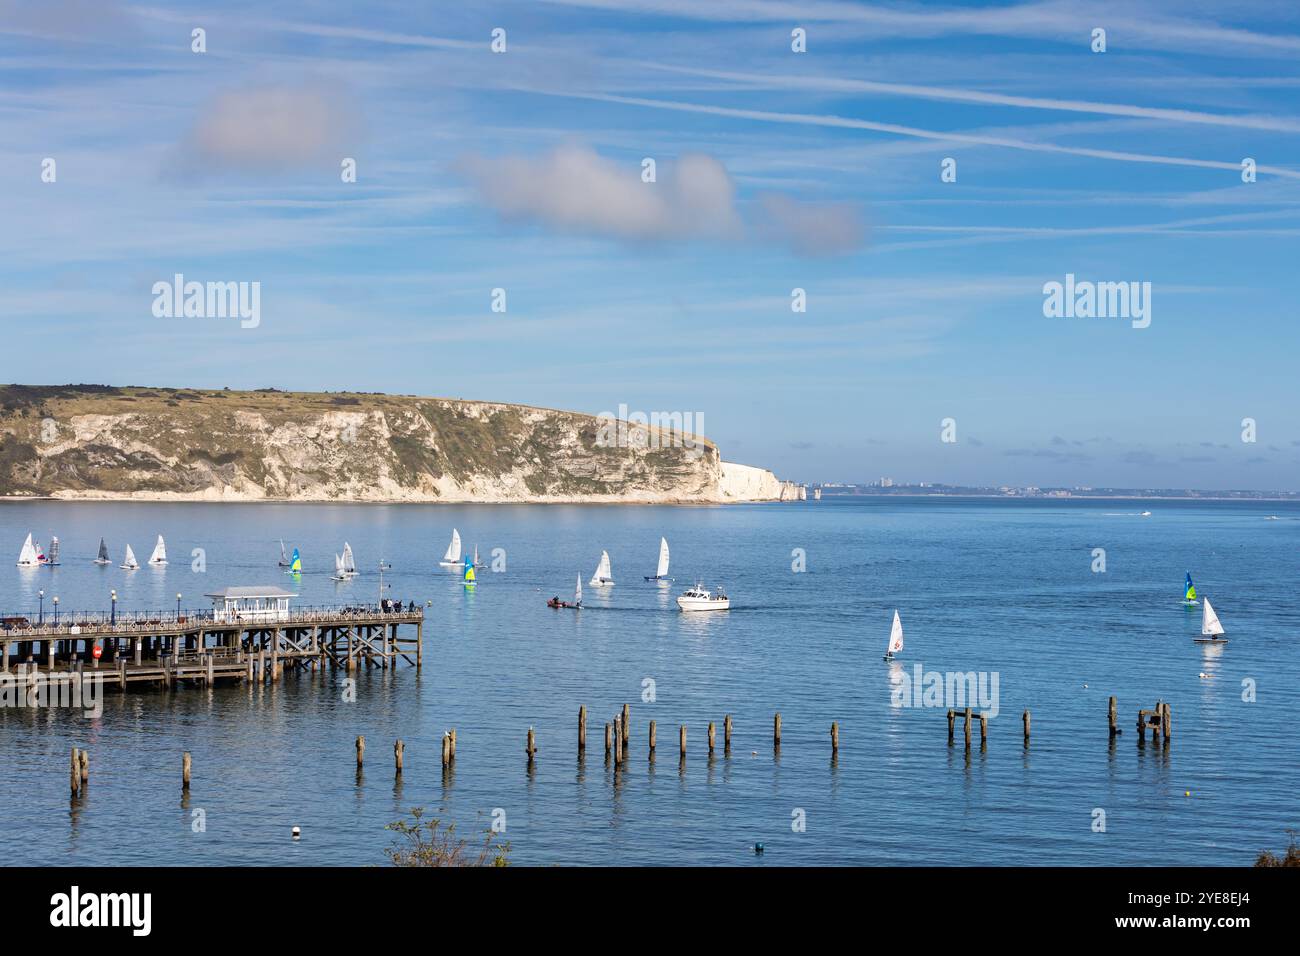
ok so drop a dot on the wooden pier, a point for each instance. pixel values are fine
(163, 648)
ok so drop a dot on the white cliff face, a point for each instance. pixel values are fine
(160, 444)
(747, 483)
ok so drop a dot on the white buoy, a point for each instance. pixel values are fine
(297, 833)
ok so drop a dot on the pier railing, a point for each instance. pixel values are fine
(26, 626)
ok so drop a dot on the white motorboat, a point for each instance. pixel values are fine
(700, 598)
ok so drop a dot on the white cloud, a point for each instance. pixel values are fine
(572, 189)
(271, 128)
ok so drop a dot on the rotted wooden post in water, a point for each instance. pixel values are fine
(984, 729)
(711, 738)
(1164, 724)
(582, 728)
(361, 750)
(682, 741)
(1026, 719)
(609, 741)
(186, 766)
(446, 750)
(83, 762)
(726, 733)
(397, 756)
(951, 717)
(1114, 718)
(968, 728)
(627, 724)
(75, 773)
(531, 747)
(451, 743)
(618, 741)
(776, 731)
(652, 739)
(835, 737)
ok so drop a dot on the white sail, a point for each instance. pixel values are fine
(895, 636)
(1210, 626)
(338, 567)
(603, 574)
(129, 563)
(349, 563)
(27, 558)
(284, 557)
(453, 550)
(159, 552)
(577, 594)
(663, 559)
(54, 550)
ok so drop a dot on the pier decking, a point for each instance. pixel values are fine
(160, 648)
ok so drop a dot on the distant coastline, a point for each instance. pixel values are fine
(1033, 493)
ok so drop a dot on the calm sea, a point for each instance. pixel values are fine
(1004, 588)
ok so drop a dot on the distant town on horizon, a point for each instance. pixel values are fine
(887, 486)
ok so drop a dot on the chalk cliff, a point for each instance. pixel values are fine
(186, 444)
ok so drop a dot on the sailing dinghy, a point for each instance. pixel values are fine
(103, 557)
(555, 602)
(469, 573)
(28, 558)
(129, 563)
(349, 562)
(895, 638)
(52, 559)
(159, 556)
(1189, 592)
(452, 559)
(661, 574)
(295, 565)
(284, 557)
(1211, 629)
(603, 578)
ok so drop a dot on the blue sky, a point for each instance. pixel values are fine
(775, 170)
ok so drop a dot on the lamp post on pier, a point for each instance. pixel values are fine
(178, 605)
(112, 615)
(40, 619)
(56, 610)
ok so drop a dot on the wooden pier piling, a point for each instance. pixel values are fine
(361, 751)
(776, 731)
(984, 729)
(531, 746)
(652, 739)
(618, 741)
(451, 742)
(397, 756)
(968, 728)
(582, 728)
(1026, 720)
(951, 717)
(83, 764)
(1114, 718)
(711, 738)
(186, 767)
(74, 773)
(626, 724)
(446, 750)
(726, 733)
(681, 739)
(609, 740)
(835, 738)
